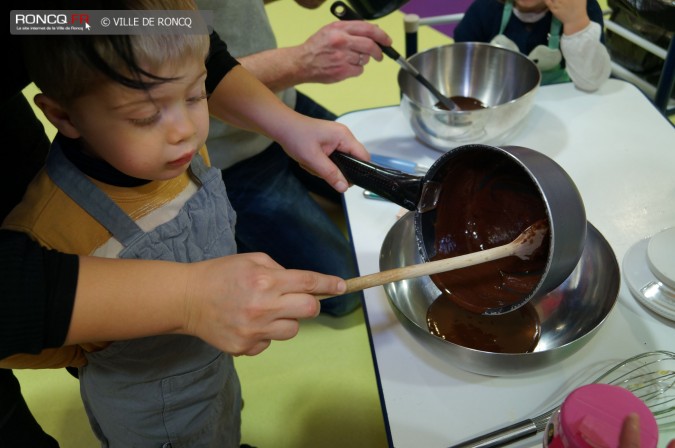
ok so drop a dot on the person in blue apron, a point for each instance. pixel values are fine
(563, 37)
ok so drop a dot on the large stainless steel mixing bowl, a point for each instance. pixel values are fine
(569, 315)
(504, 80)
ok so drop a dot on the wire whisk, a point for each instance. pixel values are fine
(649, 376)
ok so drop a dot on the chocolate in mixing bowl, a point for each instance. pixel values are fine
(514, 332)
(463, 103)
(493, 200)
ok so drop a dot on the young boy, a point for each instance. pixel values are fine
(563, 37)
(127, 176)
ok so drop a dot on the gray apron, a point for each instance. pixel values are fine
(166, 391)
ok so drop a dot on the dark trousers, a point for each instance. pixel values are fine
(277, 215)
(18, 428)
(18, 125)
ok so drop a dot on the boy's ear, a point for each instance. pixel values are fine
(57, 115)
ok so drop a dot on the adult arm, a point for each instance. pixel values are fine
(239, 98)
(238, 303)
(242, 100)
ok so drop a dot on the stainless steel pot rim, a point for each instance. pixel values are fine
(578, 283)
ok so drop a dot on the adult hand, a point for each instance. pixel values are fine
(238, 303)
(309, 141)
(241, 303)
(571, 13)
(339, 50)
(630, 433)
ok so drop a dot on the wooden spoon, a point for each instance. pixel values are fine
(522, 247)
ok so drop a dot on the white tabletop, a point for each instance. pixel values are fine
(620, 152)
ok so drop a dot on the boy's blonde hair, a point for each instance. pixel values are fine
(69, 66)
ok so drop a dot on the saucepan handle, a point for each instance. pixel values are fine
(396, 186)
(343, 12)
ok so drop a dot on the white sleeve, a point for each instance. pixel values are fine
(586, 58)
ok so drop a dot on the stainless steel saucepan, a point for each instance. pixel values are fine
(475, 197)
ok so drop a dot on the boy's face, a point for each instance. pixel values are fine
(149, 136)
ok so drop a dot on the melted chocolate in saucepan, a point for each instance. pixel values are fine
(495, 202)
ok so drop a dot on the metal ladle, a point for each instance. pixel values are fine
(344, 12)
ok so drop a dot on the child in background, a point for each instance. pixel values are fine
(128, 176)
(563, 37)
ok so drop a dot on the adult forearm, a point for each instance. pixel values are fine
(243, 101)
(277, 69)
(123, 299)
(238, 303)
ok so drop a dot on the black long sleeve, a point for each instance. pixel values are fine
(37, 287)
(219, 62)
(37, 291)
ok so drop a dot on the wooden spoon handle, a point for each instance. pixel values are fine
(428, 268)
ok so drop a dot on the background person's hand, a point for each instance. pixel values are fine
(241, 303)
(571, 13)
(630, 433)
(339, 50)
(242, 100)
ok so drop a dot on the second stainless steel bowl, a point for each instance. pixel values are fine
(504, 80)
